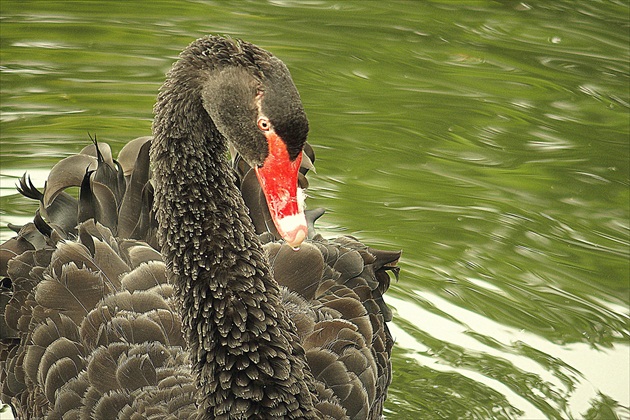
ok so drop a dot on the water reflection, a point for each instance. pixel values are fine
(480, 352)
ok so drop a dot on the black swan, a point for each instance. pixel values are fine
(244, 312)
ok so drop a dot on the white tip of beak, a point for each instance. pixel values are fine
(293, 229)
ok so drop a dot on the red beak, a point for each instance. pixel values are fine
(278, 178)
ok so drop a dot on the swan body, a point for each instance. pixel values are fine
(172, 286)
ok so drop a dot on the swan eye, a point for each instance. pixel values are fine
(264, 124)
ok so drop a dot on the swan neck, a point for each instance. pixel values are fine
(230, 303)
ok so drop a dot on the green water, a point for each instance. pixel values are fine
(487, 139)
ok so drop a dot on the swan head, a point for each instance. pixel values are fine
(255, 106)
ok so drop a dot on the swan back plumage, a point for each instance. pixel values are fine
(91, 326)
